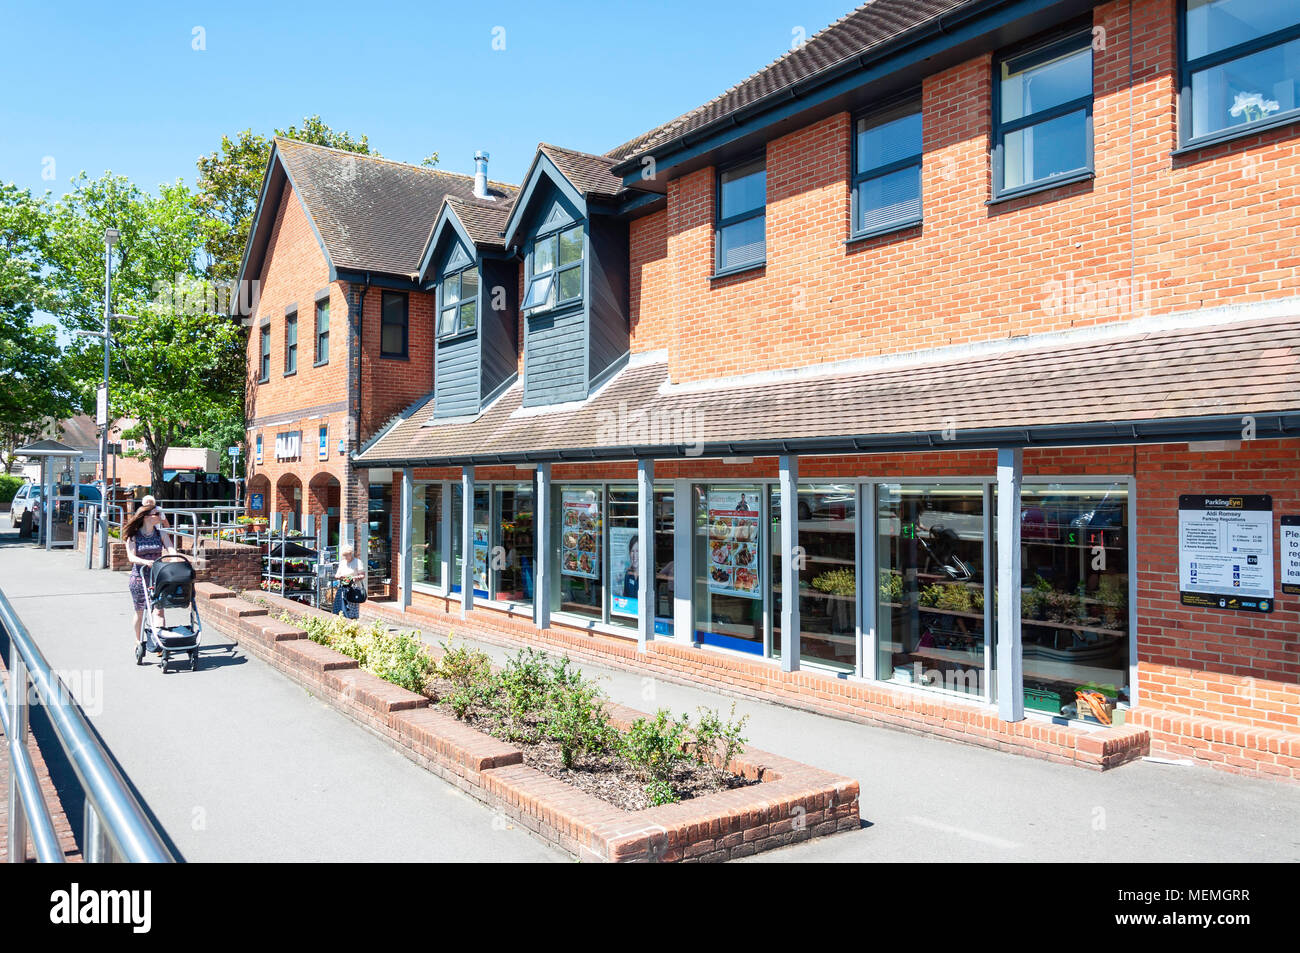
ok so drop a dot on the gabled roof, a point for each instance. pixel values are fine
(589, 173)
(369, 213)
(579, 175)
(478, 224)
(1126, 388)
(871, 26)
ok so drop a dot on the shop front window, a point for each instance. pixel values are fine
(624, 553)
(512, 542)
(728, 560)
(480, 542)
(426, 534)
(664, 566)
(930, 618)
(379, 561)
(578, 513)
(1074, 602)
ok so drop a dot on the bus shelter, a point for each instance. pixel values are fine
(60, 499)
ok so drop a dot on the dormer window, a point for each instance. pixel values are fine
(459, 307)
(555, 270)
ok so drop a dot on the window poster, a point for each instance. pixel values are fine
(580, 530)
(624, 547)
(1291, 555)
(735, 563)
(480, 556)
(1225, 551)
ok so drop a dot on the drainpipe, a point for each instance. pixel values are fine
(358, 331)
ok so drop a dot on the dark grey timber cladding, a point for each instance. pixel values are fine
(555, 342)
(499, 328)
(555, 367)
(456, 376)
(608, 284)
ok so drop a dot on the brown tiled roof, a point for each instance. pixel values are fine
(484, 221)
(372, 213)
(871, 25)
(589, 174)
(1231, 369)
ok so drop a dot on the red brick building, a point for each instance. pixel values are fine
(943, 374)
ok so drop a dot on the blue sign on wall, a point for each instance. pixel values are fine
(255, 501)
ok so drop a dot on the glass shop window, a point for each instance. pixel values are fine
(930, 617)
(729, 573)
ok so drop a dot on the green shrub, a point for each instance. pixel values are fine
(717, 738)
(403, 659)
(656, 747)
(520, 693)
(470, 675)
(9, 487)
(397, 657)
(574, 715)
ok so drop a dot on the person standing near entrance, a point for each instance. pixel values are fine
(349, 571)
(146, 540)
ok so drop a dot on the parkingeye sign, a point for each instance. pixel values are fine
(1225, 551)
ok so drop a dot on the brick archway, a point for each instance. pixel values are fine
(259, 486)
(324, 500)
(288, 500)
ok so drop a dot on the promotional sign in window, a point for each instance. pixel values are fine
(624, 547)
(580, 534)
(480, 556)
(1291, 555)
(735, 563)
(1225, 551)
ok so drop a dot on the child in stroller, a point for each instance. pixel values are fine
(171, 587)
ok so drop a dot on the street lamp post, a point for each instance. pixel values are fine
(110, 239)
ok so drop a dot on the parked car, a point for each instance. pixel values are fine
(29, 495)
(27, 498)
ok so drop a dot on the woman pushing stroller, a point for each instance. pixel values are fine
(146, 540)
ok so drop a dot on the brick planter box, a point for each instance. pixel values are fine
(795, 802)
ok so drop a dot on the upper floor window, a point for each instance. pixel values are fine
(1239, 65)
(887, 171)
(742, 220)
(394, 329)
(555, 270)
(459, 306)
(291, 343)
(265, 369)
(1043, 115)
(323, 331)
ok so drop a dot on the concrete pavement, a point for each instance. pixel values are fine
(238, 763)
(928, 799)
(235, 761)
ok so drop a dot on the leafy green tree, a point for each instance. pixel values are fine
(178, 363)
(36, 386)
(230, 182)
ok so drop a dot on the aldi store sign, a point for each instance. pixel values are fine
(1225, 551)
(288, 446)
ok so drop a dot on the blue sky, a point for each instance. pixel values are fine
(119, 85)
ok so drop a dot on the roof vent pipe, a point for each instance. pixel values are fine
(480, 175)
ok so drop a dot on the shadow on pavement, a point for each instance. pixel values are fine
(64, 778)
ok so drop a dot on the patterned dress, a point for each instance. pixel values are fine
(147, 546)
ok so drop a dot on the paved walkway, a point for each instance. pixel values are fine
(928, 799)
(236, 762)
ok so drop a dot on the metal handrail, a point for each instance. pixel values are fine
(27, 805)
(116, 825)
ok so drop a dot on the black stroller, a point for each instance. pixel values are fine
(171, 587)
